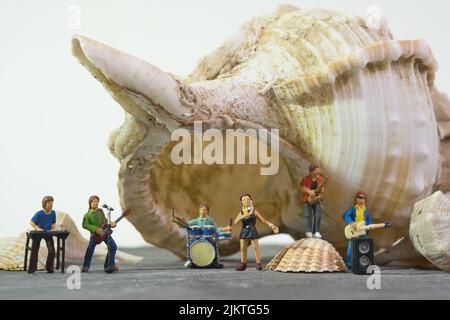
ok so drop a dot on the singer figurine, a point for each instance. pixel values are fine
(248, 216)
(93, 221)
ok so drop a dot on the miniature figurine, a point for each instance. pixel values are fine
(359, 223)
(248, 215)
(203, 235)
(93, 221)
(312, 187)
(43, 220)
(354, 215)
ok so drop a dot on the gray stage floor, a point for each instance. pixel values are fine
(161, 276)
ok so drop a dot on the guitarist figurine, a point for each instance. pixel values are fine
(312, 190)
(93, 221)
(359, 222)
(355, 215)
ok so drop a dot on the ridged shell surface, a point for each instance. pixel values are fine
(430, 229)
(308, 255)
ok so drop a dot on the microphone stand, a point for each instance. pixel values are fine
(108, 266)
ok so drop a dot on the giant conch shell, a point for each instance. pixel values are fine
(12, 250)
(343, 95)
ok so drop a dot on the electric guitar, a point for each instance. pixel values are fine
(107, 228)
(361, 229)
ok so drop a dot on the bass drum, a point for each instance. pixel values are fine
(202, 253)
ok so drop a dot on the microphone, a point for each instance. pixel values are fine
(107, 207)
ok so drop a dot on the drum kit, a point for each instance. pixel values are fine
(201, 243)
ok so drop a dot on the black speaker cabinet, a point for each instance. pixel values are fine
(362, 255)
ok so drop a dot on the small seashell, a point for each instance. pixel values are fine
(308, 255)
(429, 229)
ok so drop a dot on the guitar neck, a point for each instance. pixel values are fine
(120, 218)
(373, 227)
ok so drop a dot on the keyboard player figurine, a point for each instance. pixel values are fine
(43, 220)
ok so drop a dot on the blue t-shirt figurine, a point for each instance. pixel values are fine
(43, 220)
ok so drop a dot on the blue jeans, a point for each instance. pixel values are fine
(349, 254)
(312, 210)
(110, 257)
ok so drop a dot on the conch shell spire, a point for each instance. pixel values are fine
(164, 96)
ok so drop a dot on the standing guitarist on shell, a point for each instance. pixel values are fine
(312, 188)
(92, 221)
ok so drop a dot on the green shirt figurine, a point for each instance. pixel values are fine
(93, 219)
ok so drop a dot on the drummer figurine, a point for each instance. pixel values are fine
(203, 220)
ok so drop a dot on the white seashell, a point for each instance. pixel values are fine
(350, 98)
(308, 255)
(12, 250)
(430, 229)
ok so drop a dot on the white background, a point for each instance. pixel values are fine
(55, 118)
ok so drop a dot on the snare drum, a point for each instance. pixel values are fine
(194, 232)
(208, 232)
(202, 253)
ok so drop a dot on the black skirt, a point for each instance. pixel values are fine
(249, 233)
